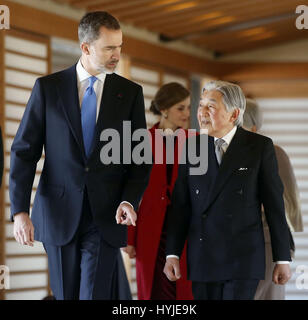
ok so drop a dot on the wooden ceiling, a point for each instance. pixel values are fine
(221, 26)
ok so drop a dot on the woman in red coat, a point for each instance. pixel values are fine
(146, 241)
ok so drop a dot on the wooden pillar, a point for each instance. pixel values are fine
(2, 214)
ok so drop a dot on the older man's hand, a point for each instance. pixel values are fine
(126, 214)
(172, 269)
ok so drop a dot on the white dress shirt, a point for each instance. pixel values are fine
(82, 84)
(228, 138)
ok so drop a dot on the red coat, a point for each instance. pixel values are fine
(145, 237)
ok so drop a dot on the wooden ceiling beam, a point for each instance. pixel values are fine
(230, 42)
(255, 71)
(241, 15)
(227, 24)
(156, 16)
(153, 16)
(157, 6)
(231, 36)
(119, 7)
(84, 4)
(64, 1)
(204, 5)
(257, 44)
(48, 24)
(254, 43)
(52, 25)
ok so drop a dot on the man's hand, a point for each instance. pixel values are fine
(126, 214)
(172, 269)
(130, 250)
(23, 229)
(281, 273)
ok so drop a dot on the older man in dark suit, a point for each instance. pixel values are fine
(79, 195)
(220, 212)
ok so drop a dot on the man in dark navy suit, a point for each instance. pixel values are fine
(82, 205)
(220, 212)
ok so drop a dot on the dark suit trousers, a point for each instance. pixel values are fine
(87, 268)
(225, 290)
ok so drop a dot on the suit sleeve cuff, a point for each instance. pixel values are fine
(172, 256)
(128, 203)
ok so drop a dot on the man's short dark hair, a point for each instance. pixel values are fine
(90, 24)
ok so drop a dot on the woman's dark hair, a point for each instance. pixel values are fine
(91, 22)
(167, 96)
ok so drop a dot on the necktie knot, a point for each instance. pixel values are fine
(92, 80)
(219, 142)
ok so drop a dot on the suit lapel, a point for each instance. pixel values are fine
(68, 96)
(230, 162)
(208, 179)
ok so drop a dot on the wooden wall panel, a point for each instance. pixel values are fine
(285, 121)
(276, 88)
(41, 22)
(28, 265)
(2, 212)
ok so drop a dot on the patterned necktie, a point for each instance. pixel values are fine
(219, 150)
(88, 116)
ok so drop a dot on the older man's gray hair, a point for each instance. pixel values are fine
(232, 96)
(252, 115)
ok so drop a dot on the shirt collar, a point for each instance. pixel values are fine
(229, 136)
(83, 74)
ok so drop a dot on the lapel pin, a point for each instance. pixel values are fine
(120, 96)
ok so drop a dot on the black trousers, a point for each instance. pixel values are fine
(87, 268)
(225, 290)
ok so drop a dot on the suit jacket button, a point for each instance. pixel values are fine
(197, 191)
(204, 215)
(86, 169)
(162, 198)
(201, 239)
